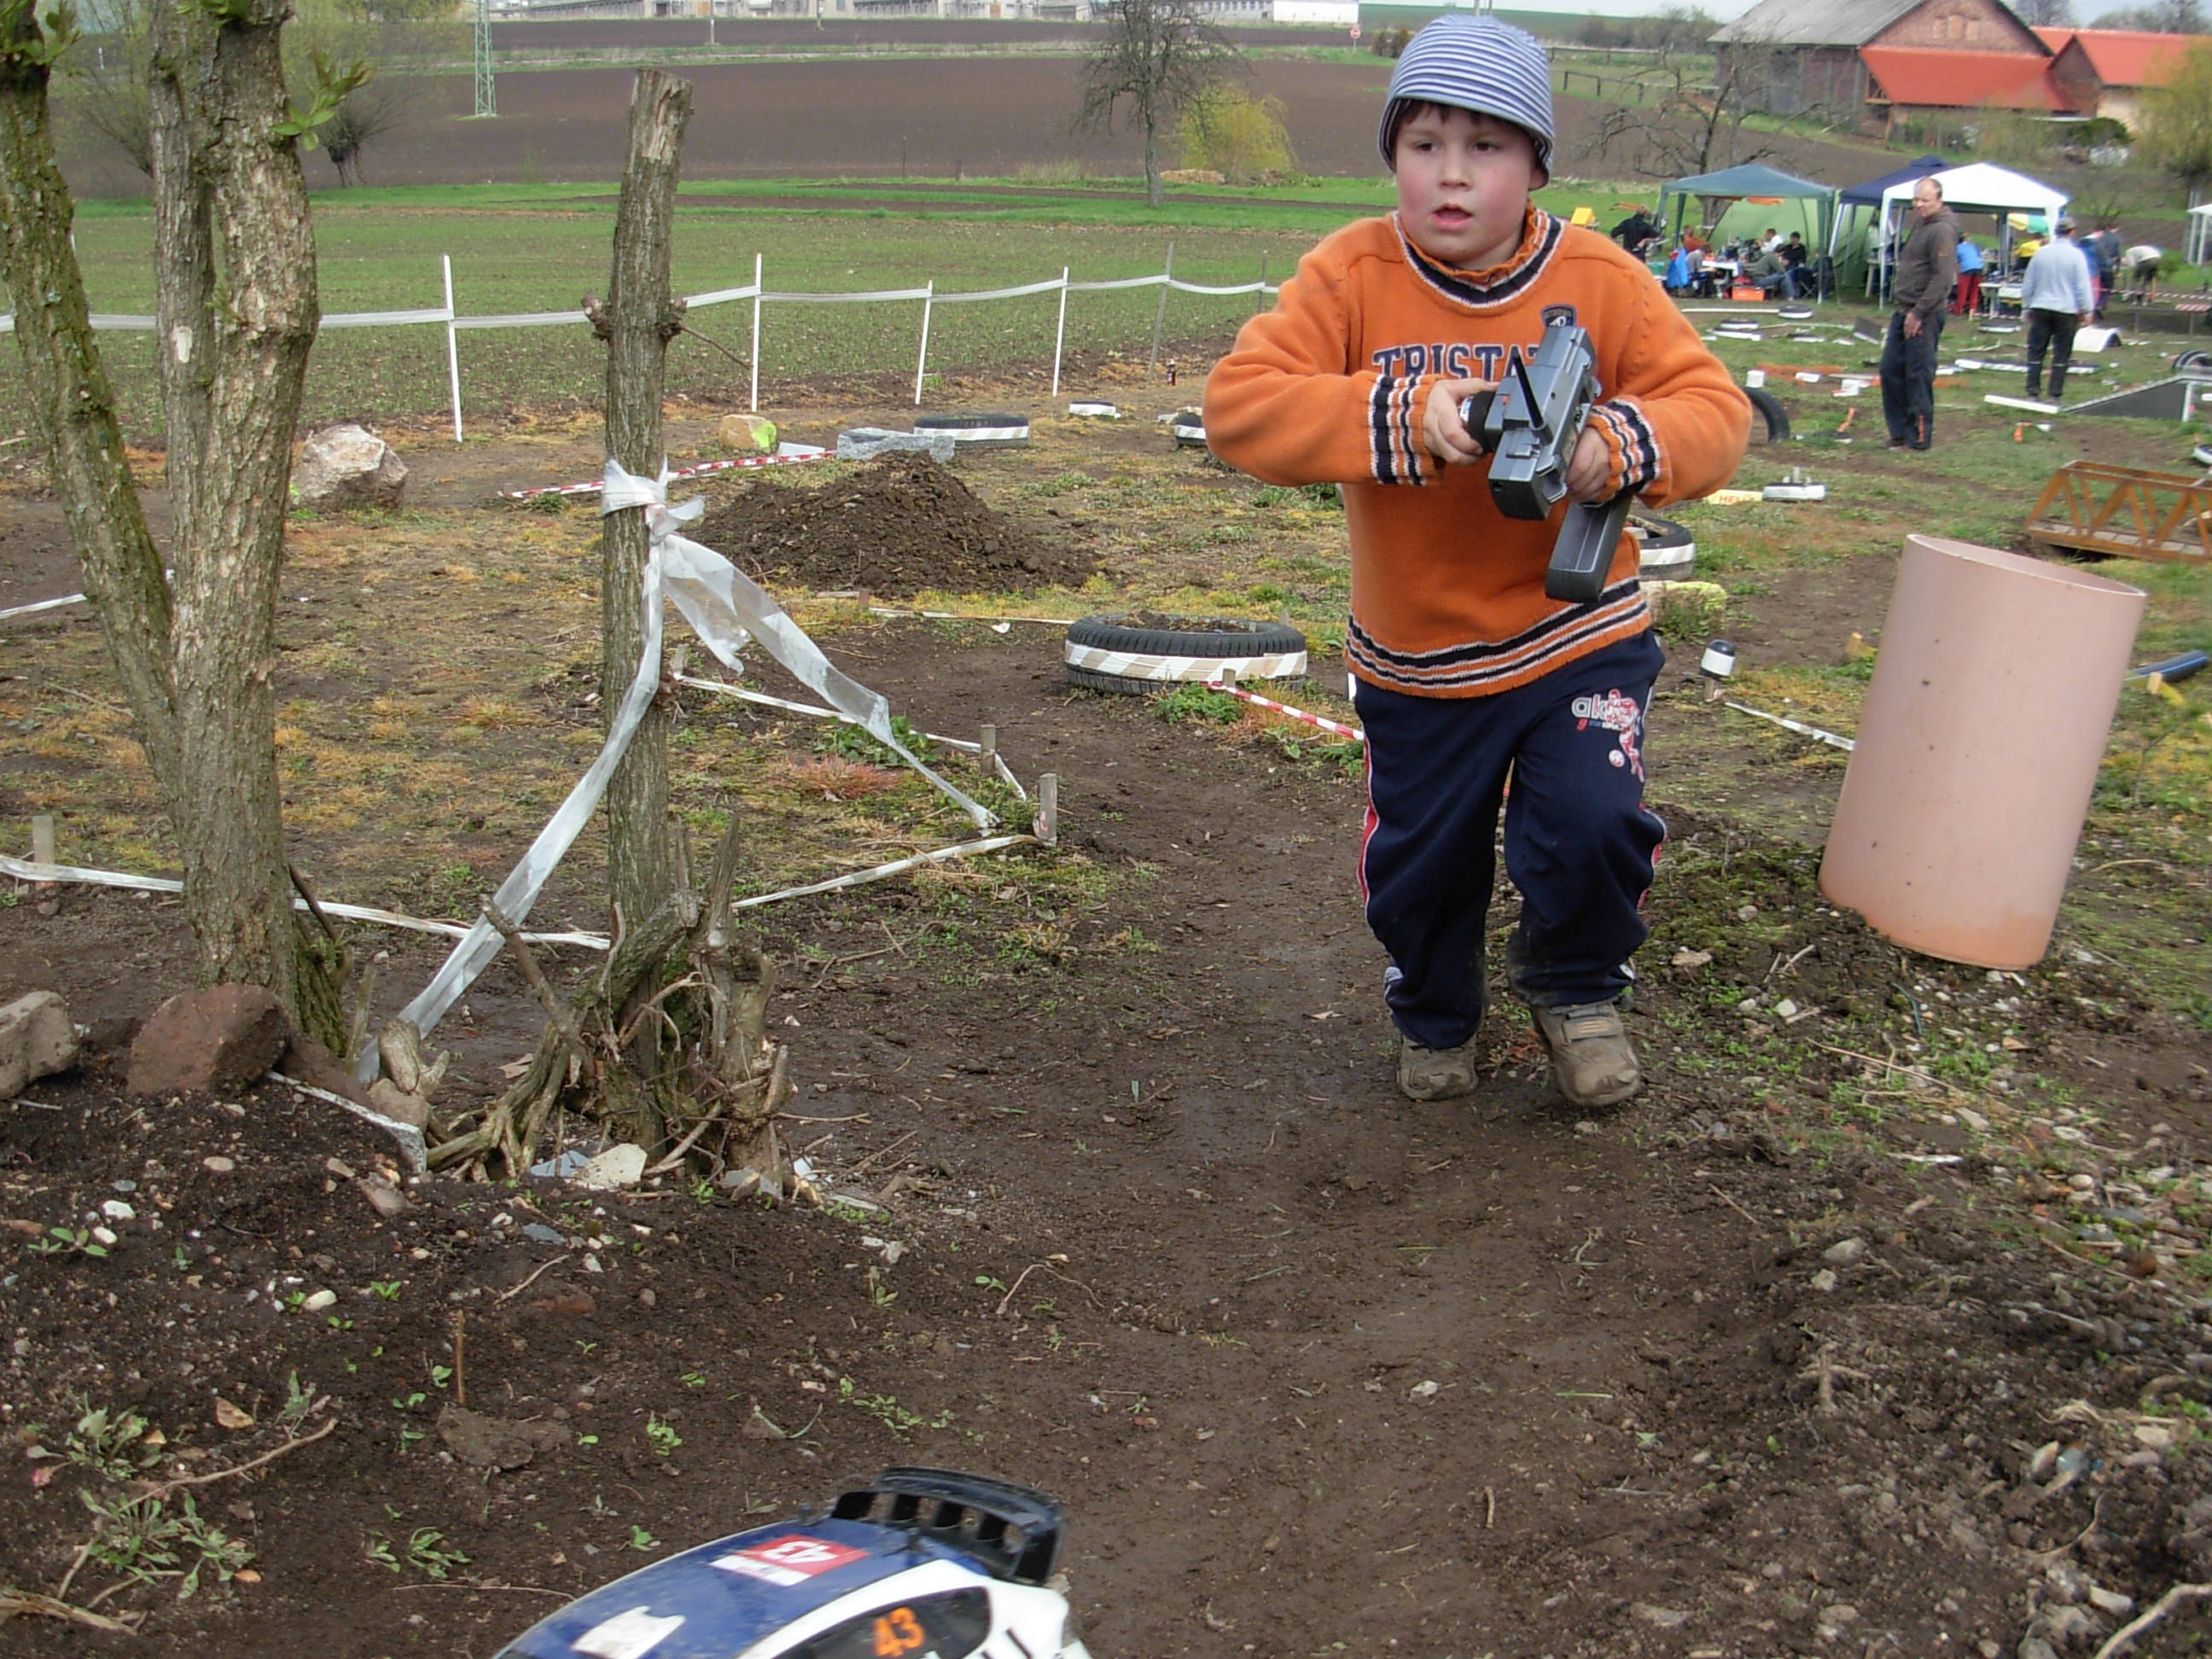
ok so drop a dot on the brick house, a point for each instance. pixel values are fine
(1808, 55)
(2104, 71)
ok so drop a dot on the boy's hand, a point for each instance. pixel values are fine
(1442, 430)
(1589, 467)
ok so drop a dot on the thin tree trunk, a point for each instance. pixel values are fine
(72, 404)
(642, 318)
(237, 315)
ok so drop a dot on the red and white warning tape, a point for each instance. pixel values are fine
(1321, 720)
(790, 455)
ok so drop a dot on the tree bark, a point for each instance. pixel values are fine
(237, 312)
(237, 315)
(72, 404)
(641, 318)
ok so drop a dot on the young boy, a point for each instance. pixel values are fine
(1465, 668)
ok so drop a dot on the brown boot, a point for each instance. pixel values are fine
(1435, 1073)
(1592, 1061)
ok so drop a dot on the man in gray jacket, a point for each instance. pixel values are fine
(1927, 271)
(2058, 296)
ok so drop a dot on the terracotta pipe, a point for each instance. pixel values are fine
(1977, 750)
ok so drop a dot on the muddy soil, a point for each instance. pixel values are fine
(901, 525)
(1876, 1325)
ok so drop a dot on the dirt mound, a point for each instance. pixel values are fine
(897, 527)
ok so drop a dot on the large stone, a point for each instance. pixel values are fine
(396, 1103)
(308, 1061)
(213, 1041)
(346, 466)
(36, 1039)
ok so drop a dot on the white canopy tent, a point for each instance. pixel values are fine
(1977, 187)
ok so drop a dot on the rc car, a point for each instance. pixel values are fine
(920, 1564)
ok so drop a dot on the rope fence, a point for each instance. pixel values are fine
(760, 296)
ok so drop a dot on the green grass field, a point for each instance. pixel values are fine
(519, 248)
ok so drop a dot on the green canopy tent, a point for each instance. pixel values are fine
(1750, 179)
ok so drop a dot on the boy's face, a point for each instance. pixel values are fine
(1464, 185)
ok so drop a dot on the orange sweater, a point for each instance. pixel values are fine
(1448, 593)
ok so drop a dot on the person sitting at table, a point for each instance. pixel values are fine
(1773, 274)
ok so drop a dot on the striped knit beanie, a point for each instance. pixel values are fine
(1474, 63)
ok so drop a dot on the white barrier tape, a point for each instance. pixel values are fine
(850, 298)
(1321, 720)
(1137, 666)
(1200, 288)
(725, 607)
(878, 872)
(721, 296)
(385, 319)
(524, 319)
(746, 695)
(524, 883)
(1117, 282)
(1025, 289)
(412, 1146)
(25, 870)
(971, 615)
(1798, 727)
(42, 605)
(786, 455)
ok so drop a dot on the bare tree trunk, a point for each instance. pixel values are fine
(72, 403)
(237, 316)
(640, 319)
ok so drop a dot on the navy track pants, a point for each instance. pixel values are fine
(1579, 845)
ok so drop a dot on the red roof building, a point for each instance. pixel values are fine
(1906, 78)
(2104, 71)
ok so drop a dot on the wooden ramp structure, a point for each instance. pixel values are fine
(2125, 511)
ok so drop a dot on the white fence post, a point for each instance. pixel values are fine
(1160, 316)
(452, 349)
(1059, 331)
(921, 364)
(755, 404)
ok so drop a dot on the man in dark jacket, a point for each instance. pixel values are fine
(1927, 271)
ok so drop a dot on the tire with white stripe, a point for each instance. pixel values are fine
(1118, 653)
(978, 431)
(1187, 428)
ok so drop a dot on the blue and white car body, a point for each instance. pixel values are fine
(924, 1564)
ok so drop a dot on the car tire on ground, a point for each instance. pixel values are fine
(1770, 420)
(1669, 550)
(1140, 653)
(978, 431)
(1188, 427)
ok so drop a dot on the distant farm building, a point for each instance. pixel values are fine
(1872, 62)
(2105, 71)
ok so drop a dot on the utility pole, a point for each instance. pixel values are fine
(487, 103)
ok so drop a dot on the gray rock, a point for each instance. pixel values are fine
(346, 466)
(1845, 1253)
(2034, 1647)
(36, 1041)
(865, 443)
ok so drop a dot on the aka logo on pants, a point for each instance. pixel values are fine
(1617, 713)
